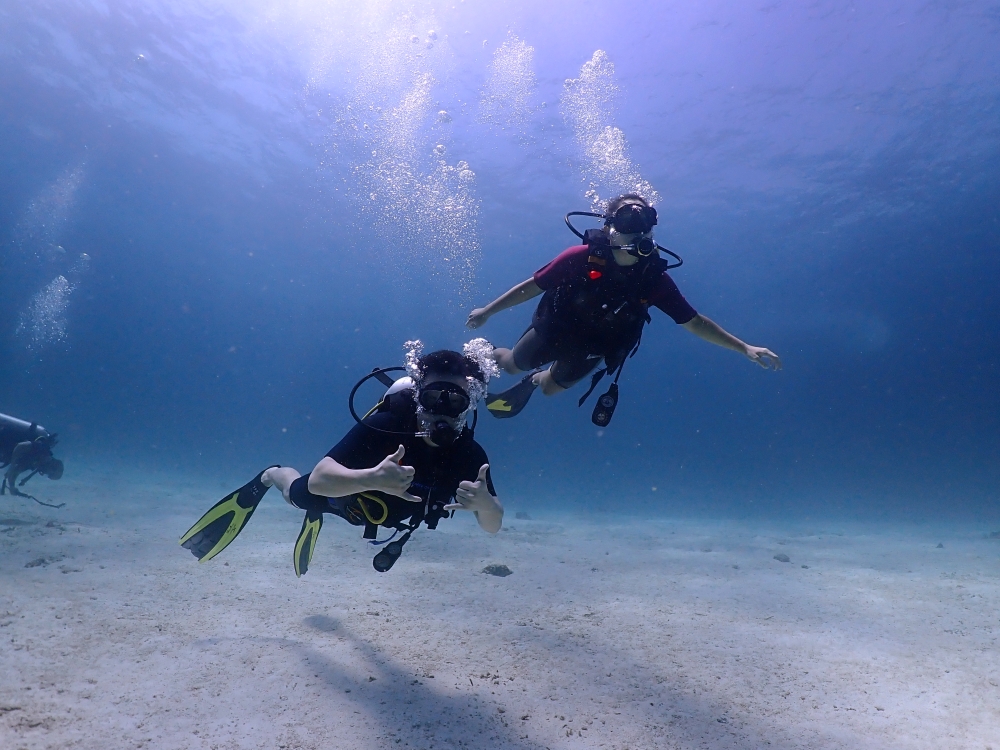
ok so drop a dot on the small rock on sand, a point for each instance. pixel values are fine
(782, 557)
(522, 516)
(498, 570)
(940, 546)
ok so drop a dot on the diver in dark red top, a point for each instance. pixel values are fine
(594, 307)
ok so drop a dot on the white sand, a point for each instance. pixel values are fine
(636, 635)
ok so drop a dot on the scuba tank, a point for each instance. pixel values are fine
(20, 429)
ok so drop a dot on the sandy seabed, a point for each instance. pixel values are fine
(610, 633)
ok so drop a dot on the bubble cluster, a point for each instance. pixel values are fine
(421, 204)
(480, 351)
(588, 104)
(38, 230)
(414, 350)
(35, 256)
(509, 85)
(44, 321)
(79, 269)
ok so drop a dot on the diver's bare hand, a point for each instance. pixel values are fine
(763, 357)
(474, 495)
(477, 318)
(392, 478)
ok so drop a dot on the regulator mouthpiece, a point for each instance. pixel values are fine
(442, 433)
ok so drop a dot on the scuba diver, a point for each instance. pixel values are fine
(412, 459)
(26, 446)
(594, 307)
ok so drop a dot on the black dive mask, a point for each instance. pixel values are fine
(440, 401)
(444, 399)
(633, 218)
(639, 221)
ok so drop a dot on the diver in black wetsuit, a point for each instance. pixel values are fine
(412, 460)
(26, 446)
(596, 302)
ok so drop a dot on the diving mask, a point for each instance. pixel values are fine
(444, 399)
(633, 218)
(443, 404)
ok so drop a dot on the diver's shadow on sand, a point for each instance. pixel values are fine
(322, 623)
(411, 709)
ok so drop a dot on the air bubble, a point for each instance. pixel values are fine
(509, 86)
(587, 102)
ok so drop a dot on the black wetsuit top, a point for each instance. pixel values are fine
(438, 470)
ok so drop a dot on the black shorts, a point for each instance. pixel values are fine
(570, 362)
(389, 511)
(302, 498)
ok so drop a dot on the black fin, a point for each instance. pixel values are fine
(510, 403)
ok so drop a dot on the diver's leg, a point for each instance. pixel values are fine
(566, 372)
(530, 352)
(282, 478)
(505, 359)
(547, 383)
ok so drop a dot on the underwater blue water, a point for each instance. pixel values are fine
(273, 197)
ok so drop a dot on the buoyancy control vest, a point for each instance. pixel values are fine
(374, 509)
(603, 309)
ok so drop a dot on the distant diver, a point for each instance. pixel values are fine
(26, 447)
(412, 459)
(595, 304)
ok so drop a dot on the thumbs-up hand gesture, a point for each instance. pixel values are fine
(473, 495)
(392, 478)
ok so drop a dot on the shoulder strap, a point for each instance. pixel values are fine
(595, 237)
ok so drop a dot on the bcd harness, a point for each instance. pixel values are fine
(372, 510)
(604, 311)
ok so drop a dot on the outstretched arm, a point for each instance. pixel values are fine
(713, 333)
(476, 496)
(332, 479)
(521, 293)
